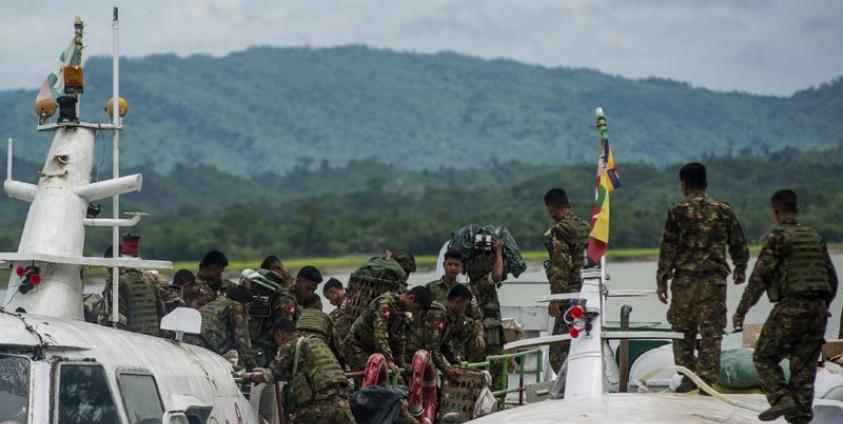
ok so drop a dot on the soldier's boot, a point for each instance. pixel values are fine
(785, 406)
(685, 386)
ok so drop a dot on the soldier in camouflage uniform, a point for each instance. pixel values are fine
(313, 322)
(172, 293)
(273, 268)
(473, 339)
(140, 304)
(286, 304)
(225, 326)
(565, 241)
(439, 329)
(340, 323)
(697, 233)
(209, 283)
(485, 273)
(381, 328)
(795, 270)
(315, 381)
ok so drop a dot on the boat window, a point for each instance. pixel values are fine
(141, 398)
(14, 390)
(83, 395)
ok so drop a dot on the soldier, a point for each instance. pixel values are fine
(340, 322)
(209, 283)
(565, 242)
(286, 304)
(313, 322)
(795, 270)
(440, 328)
(139, 305)
(381, 328)
(485, 273)
(273, 268)
(172, 293)
(405, 259)
(225, 326)
(693, 255)
(474, 338)
(314, 378)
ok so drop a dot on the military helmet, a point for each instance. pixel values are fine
(406, 260)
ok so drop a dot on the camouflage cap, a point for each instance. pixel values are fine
(406, 260)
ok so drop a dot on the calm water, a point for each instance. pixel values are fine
(624, 275)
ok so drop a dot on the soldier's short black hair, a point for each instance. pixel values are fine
(556, 197)
(284, 325)
(214, 257)
(183, 276)
(784, 201)
(454, 254)
(269, 261)
(240, 294)
(422, 296)
(332, 283)
(694, 176)
(460, 291)
(312, 302)
(310, 273)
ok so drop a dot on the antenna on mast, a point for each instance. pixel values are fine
(115, 120)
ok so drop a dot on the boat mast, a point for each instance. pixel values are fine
(115, 120)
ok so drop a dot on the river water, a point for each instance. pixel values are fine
(623, 275)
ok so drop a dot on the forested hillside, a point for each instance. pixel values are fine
(267, 110)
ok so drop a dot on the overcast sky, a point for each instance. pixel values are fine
(759, 46)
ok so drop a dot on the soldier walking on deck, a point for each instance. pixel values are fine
(340, 320)
(225, 326)
(795, 270)
(565, 241)
(698, 231)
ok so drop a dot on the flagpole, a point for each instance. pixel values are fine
(115, 120)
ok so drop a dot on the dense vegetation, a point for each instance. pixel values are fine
(367, 206)
(266, 110)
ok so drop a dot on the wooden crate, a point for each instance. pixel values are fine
(460, 396)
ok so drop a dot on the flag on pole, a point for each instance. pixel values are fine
(606, 181)
(53, 86)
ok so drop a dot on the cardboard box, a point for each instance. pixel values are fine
(832, 348)
(750, 335)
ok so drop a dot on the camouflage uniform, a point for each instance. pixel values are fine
(139, 306)
(565, 242)
(225, 326)
(794, 268)
(283, 305)
(485, 290)
(693, 254)
(431, 331)
(314, 322)
(341, 332)
(381, 328)
(316, 382)
(463, 341)
(197, 294)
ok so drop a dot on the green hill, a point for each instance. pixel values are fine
(266, 110)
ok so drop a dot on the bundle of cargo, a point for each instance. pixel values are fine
(458, 401)
(371, 280)
(474, 238)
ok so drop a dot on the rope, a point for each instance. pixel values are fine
(702, 385)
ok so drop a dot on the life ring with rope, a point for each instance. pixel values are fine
(376, 372)
(423, 394)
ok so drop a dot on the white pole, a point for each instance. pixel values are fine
(9, 159)
(115, 120)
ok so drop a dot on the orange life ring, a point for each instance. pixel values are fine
(376, 373)
(423, 388)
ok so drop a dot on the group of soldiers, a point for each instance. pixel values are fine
(278, 331)
(793, 267)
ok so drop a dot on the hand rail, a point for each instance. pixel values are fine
(505, 358)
